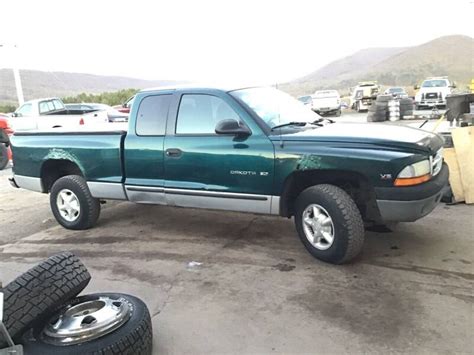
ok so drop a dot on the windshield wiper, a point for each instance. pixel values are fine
(322, 119)
(295, 123)
(302, 124)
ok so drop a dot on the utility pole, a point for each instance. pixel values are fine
(16, 76)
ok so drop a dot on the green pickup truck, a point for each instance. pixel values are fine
(254, 150)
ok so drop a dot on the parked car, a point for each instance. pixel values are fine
(307, 100)
(113, 115)
(5, 132)
(397, 92)
(327, 102)
(255, 150)
(51, 113)
(433, 92)
(126, 106)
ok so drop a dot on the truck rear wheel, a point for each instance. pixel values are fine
(329, 224)
(72, 203)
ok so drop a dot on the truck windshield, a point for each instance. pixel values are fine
(275, 107)
(434, 84)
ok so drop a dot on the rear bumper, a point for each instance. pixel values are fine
(326, 109)
(407, 204)
(27, 183)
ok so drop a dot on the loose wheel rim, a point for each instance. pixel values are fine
(318, 227)
(68, 205)
(87, 320)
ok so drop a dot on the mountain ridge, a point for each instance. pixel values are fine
(38, 83)
(451, 56)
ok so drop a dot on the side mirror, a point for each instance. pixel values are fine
(453, 85)
(416, 87)
(232, 127)
(14, 114)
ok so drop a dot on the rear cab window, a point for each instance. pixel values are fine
(152, 115)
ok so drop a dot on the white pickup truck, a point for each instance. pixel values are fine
(326, 102)
(433, 92)
(51, 113)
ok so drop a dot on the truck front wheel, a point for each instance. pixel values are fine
(329, 223)
(72, 203)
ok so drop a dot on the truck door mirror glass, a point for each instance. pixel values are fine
(416, 87)
(232, 127)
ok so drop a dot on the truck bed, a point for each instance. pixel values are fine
(99, 154)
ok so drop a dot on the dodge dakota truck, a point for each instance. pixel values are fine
(255, 150)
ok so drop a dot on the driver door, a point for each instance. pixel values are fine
(205, 169)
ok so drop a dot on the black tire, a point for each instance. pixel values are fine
(89, 206)
(338, 113)
(32, 296)
(384, 98)
(134, 337)
(346, 218)
(357, 106)
(3, 156)
(406, 101)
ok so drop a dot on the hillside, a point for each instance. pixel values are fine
(352, 65)
(43, 84)
(451, 55)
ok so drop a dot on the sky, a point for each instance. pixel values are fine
(214, 41)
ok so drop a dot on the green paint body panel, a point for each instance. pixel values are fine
(98, 156)
(257, 164)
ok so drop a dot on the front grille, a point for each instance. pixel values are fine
(431, 95)
(437, 162)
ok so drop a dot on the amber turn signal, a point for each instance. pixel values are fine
(412, 181)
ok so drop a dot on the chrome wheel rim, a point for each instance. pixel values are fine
(68, 205)
(318, 227)
(86, 321)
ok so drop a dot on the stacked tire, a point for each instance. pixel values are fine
(378, 112)
(394, 110)
(406, 107)
(42, 312)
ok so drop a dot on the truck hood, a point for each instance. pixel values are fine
(390, 136)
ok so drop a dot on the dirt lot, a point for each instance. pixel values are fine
(257, 289)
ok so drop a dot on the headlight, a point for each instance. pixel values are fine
(414, 174)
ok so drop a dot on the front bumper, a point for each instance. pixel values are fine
(432, 103)
(407, 204)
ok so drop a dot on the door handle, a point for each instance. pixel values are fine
(173, 152)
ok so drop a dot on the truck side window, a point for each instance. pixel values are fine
(152, 114)
(199, 114)
(25, 110)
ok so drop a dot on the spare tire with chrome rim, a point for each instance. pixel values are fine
(102, 323)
